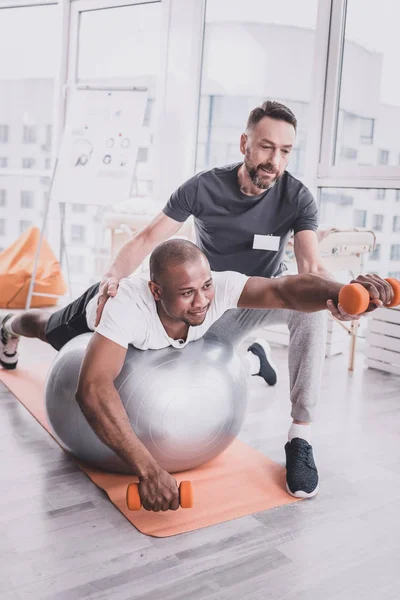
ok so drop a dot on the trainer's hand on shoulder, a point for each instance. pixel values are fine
(159, 491)
(108, 288)
(380, 293)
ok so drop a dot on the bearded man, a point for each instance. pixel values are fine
(244, 215)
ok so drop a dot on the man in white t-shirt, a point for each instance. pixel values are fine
(178, 305)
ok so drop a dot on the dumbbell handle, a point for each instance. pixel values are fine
(186, 495)
(354, 297)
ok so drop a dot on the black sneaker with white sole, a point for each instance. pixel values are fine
(268, 370)
(8, 347)
(301, 472)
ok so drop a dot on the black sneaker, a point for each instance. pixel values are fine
(8, 347)
(301, 472)
(268, 370)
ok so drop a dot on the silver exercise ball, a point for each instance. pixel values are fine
(186, 406)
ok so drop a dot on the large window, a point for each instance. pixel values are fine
(29, 46)
(345, 208)
(254, 50)
(29, 39)
(131, 54)
(132, 48)
(249, 51)
(22, 203)
(369, 106)
(360, 141)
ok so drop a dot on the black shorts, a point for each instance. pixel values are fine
(70, 321)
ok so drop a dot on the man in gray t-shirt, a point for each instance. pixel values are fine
(244, 215)
(226, 219)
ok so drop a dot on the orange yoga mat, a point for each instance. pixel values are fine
(241, 481)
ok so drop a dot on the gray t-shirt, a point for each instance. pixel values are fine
(226, 220)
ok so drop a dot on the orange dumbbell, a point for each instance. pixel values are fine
(186, 496)
(354, 298)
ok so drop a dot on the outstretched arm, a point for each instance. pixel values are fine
(105, 413)
(307, 292)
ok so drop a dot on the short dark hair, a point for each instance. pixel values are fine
(274, 110)
(172, 252)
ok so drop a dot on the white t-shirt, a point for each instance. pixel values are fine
(131, 316)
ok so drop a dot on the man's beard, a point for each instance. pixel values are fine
(253, 174)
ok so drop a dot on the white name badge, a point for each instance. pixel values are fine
(266, 242)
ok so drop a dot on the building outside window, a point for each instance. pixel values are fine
(27, 199)
(4, 134)
(377, 222)
(395, 252)
(2, 227)
(239, 72)
(29, 134)
(76, 264)
(369, 99)
(360, 218)
(79, 208)
(348, 153)
(366, 131)
(3, 198)
(3, 162)
(24, 224)
(376, 253)
(77, 234)
(383, 157)
(380, 194)
(28, 163)
(396, 224)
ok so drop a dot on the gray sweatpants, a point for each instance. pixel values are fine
(306, 348)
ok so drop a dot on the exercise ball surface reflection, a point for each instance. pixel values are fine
(186, 405)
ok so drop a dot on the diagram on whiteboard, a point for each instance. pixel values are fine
(81, 152)
(99, 146)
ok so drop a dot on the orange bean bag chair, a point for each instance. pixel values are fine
(16, 268)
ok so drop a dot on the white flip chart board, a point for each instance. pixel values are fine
(99, 146)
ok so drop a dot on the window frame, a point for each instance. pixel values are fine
(177, 104)
(177, 110)
(329, 174)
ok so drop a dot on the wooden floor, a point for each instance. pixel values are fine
(60, 537)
